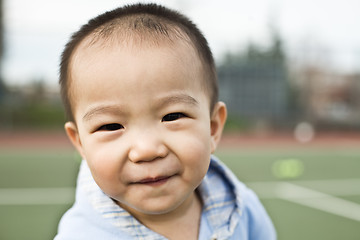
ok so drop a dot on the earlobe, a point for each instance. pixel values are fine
(218, 120)
(73, 134)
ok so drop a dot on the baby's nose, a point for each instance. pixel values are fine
(147, 146)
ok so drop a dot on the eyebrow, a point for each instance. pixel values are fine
(178, 98)
(100, 110)
(163, 102)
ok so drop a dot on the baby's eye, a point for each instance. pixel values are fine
(110, 127)
(172, 117)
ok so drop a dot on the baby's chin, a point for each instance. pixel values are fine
(149, 209)
(158, 207)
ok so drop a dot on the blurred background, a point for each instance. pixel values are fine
(280, 63)
(289, 72)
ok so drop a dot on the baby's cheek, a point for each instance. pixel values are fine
(199, 144)
(197, 158)
(103, 165)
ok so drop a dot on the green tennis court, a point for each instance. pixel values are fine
(309, 192)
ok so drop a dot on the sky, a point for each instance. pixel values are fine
(324, 31)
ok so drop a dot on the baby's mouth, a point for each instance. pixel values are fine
(154, 181)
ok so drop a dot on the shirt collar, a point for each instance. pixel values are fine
(221, 200)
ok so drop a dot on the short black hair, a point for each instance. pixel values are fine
(152, 18)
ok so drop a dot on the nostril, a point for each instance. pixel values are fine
(145, 154)
(146, 145)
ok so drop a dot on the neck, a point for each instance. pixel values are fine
(182, 222)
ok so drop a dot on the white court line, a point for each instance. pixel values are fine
(36, 196)
(282, 190)
(338, 187)
(307, 197)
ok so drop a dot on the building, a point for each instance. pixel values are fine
(254, 85)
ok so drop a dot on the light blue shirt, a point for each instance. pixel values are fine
(230, 211)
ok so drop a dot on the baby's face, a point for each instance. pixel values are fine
(142, 123)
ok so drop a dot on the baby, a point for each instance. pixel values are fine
(140, 90)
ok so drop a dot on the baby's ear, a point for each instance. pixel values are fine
(73, 134)
(218, 119)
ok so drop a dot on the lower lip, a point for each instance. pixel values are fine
(156, 182)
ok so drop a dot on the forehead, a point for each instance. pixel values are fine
(92, 47)
(120, 59)
(132, 40)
